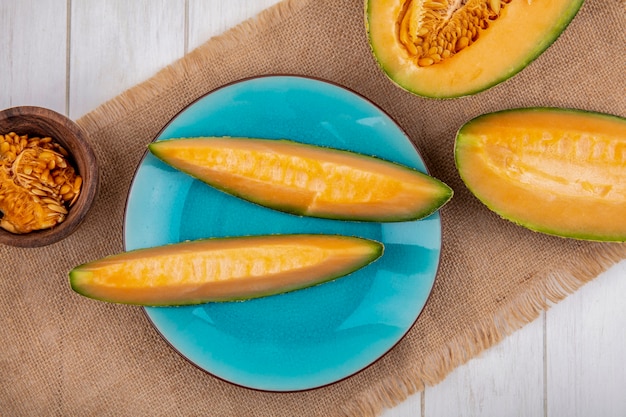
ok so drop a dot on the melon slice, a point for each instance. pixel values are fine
(557, 171)
(222, 269)
(307, 180)
(445, 49)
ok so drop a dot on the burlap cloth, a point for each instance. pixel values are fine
(63, 354)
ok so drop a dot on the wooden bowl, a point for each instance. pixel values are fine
(41, 122)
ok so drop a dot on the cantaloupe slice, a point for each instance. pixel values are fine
(557, 171)
(445, 49)
(307, 180)
(222, 269)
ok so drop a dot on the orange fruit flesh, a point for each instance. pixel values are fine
(222, 269)
(523, 31)
(307, 180)
(555, 171)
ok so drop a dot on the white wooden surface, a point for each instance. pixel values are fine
(71, 55)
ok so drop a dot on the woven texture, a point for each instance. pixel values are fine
(63, 354)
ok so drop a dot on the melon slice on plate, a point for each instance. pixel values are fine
(222, 269)
(307, 180)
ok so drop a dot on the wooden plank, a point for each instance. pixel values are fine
(33, 45)
(210, 18)
(506, 380)
(137, 39)
(586, 347)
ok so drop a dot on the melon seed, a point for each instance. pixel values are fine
(425, 62)
(447, 26)
(461, 43)
(495, 6)
(37, 185)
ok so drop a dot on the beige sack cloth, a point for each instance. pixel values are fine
(63, 354)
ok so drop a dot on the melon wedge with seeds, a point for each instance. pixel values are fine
(307, 180)
(222, 269)
(447, 49)
(556, 171)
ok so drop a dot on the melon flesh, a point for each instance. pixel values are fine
(222, 269)
(556, 171)
(522, 30)
(307, 180)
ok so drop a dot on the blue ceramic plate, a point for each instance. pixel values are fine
(307, 338)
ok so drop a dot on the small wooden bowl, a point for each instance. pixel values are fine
(41, 122)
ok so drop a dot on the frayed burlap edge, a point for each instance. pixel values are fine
(520, 311)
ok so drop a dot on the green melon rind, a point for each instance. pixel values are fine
(79, 274)
(560, 26)
(545, 229)
(445, 195)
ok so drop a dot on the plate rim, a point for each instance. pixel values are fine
(378, 108)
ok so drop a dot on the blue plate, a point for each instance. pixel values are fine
(307, 338)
